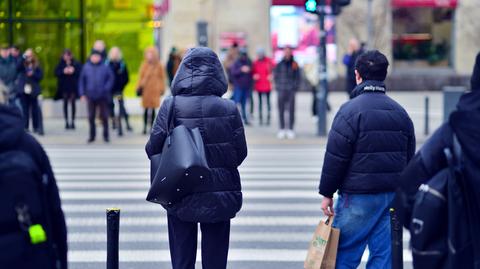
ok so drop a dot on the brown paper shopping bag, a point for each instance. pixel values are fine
(322, 253)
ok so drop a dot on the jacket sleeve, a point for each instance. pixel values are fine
(37, 74)
(81, 83)
(236, 69)
(412, 143)
(239, 139)
(159, 131)
(338, 155)
(126, 77)
(428, 161)
(59, 70)
(109, 80)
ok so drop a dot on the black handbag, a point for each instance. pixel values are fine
(180, 167)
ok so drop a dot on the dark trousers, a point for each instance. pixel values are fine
(101, 106)
(286, 102)
(122, 113)
(69, 98)
(266, 96)
(241, 95)
(182, 238)
(31, 109)
(148, 117)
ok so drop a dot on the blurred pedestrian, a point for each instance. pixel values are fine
(120, 71)
(151, 85)
(287, 83)
(95, 85)
(230, 59)
(30, 75)
(262, 75)
(354, 50)
(431, 159)
(100, 47)
(242, 78)
(8, 71)
(370, 143)
(199, 103)
(16, 54)
(32, 224)
(67, 73)
(174, 60)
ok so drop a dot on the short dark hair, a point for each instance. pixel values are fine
(372, 65)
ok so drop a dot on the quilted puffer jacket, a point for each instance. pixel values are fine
(198, 86)
(371, 141)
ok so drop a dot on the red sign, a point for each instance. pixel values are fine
(288, 2)
(425, 3)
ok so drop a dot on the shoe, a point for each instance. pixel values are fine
(106, 140)
(129, 128)
(144, 132)
(281, 134)
(291, 134)
(120, 134)
(90, 140)
(72, 126)
(67, 126)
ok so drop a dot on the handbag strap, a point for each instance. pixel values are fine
(171, 117)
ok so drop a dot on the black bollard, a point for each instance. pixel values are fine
(113, 229)
(397, 240)
(427, 115)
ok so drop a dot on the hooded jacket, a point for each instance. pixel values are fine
(198, 86)
(430, 159)
(14, 137)
(371, 141)
(475, 80)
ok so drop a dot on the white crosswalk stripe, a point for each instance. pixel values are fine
(281, 207)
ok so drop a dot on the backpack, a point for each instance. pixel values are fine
(23, 214)
(440, 232)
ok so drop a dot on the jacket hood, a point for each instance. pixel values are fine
(475, 80)
(368, 86)
(465, 121)
(11, 126)
(200, 73)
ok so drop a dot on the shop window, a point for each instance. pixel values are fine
(422, 36)
(45, 9)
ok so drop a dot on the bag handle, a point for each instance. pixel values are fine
(329, 220)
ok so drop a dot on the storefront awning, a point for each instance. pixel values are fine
(425, 3)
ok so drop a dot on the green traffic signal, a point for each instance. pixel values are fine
(311, 6)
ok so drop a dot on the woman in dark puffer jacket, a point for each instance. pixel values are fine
(198, 86)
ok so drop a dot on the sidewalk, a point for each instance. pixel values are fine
(55, 134)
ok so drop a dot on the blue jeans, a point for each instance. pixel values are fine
(240, 96)
(364, 219)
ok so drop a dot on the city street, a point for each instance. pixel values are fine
(280, 179)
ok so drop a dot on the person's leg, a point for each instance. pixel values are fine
(124, 113)
(74, 109)
(111, 112)
(269, 107)
(182, 238)
(145, 120)
(291, 108)
(243, 103)
(215, 241)
(103, 106)
(91, 119)
(119, 116)
(260, 107)
(355, 217)
(35, 112)
(379, 242)
(250, 97)
(66, 100)
(38, 115)
(152, 119)
(26, 110)
(281, 109)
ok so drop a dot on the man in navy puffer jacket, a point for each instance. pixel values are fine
(370, 143)
(198, 86)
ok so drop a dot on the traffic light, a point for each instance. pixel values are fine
(311, 6)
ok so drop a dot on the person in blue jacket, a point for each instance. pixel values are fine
(430, 159)
(95, 85)
(371, 141)
(198, 88)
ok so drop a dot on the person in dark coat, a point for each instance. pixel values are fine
(30, 75)
(173, 62)
(198, 87)
(430, 159)
(287, 81)
(354, 50)
(95, 85)
(120, 71)
(14, 137)
(67, 73)
(8, 70)
(242, 77)
(370, 143)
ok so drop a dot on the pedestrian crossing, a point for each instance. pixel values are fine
(280, 211)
